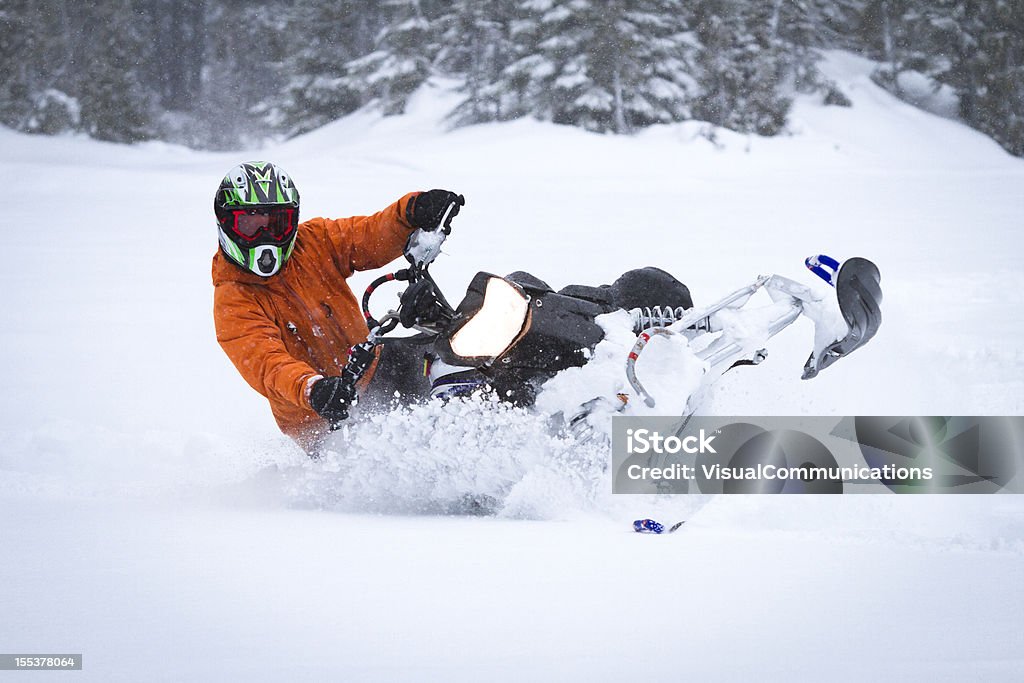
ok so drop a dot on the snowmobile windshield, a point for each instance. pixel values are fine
(277, 223)
(493, 329)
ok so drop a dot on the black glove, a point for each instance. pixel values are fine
(331, 397)
(424, 211)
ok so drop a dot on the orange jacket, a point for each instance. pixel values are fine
(283, 330)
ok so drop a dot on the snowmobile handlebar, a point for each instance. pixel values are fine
(421, 305)
(391, 321)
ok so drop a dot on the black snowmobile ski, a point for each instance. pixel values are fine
(858, 288)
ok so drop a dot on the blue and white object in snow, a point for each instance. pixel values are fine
(824, 266)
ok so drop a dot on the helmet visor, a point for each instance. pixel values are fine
(276, 222)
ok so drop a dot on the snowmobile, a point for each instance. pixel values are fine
(511, 334)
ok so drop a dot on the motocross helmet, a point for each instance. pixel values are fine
(257, 209)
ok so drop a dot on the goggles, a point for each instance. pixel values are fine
(277, 222)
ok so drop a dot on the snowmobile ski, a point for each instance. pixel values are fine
(858, 288)
(859, 294)
(649, 526)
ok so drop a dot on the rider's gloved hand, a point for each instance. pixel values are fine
(331, 398)
(425, 210)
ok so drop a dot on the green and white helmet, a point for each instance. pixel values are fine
(257, 209)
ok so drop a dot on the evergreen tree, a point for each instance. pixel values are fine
(238, 82)
(604, 66)
(327, 35)
(794, 30)
(477, 45)
(214, 73)
(741, 71)
(658, 86)
(984, 40)
(114, 104)
(837, 23)
(74, 67)
(896, 32)
(172, 73)
(18, 49)
(522, 82)
(37, 64)
(400, 62)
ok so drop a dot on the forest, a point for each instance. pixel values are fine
(227, 74)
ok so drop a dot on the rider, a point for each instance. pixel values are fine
(283, 310)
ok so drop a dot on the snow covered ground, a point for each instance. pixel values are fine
(152, 518)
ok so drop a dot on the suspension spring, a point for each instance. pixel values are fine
(655, 316)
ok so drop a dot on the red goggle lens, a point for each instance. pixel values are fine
(250, 224)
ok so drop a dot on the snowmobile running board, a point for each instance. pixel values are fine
(857, 289)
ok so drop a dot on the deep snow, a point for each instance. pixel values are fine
(153, 519)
